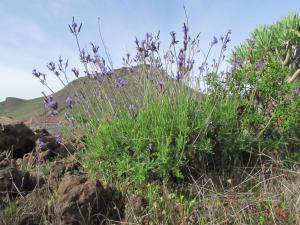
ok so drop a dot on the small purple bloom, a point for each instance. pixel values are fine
(70, 102)
(49, 102)
(58, 138)
(35, 73)
(120, 82)
(105, 71)
(51, 66)
(214, 41)
(136, 42)
(260, 64)
(39, 75)
(201, 69)
(181, 58)
(191, 62)
(42, 145)
(178, 76)
(52, 104)
(161, 83)
(53, 112)
(225, 40)
(185, 29)
(73, 27)
(75, 71)
(94, 48)
(173, 35)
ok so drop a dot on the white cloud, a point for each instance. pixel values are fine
(21, 84)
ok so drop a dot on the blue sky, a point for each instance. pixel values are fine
(33, 32)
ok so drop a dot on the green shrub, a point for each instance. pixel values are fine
(263, 69)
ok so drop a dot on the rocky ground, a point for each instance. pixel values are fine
(41, 182)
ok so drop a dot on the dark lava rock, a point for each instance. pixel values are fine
(59, 168)
(80, 200)
(48, 148)
(14, 181)
(30, 220)
(84, 201)
(17, 138)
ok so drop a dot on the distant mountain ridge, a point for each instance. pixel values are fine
(21, 109)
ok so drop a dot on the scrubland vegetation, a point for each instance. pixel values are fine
(183, 140)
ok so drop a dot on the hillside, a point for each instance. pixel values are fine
(21, 109)
(7, 120)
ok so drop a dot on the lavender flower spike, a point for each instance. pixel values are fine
(120, 82)
(70, 102)
(75, 71)
(214, 41)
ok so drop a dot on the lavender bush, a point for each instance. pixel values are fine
(173, 115)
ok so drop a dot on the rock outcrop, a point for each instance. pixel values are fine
(18, 139)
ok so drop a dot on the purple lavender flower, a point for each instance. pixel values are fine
(75, 71)
(236, 63)
(120, 82)
(73, 27)
(35, 73)
(185, 28)
(94, 48)
(51, 66)
(201, 69)
(214, 41)
(39, 75)
(132, 111)
(260, 64)
(105, 71)
(49, 102)
(173, 35)
(161, 83)
(70, 102)
(42, 145)
(226, 40)
(181, 58)
(191, 62)
(186, 38)
(136, 42)
(84, 57)
(53, 112)
(58, 138)
(178, 76)
(52, 104)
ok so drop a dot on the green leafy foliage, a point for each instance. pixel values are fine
(270, 104)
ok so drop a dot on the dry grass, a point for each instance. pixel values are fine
(268, 194)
